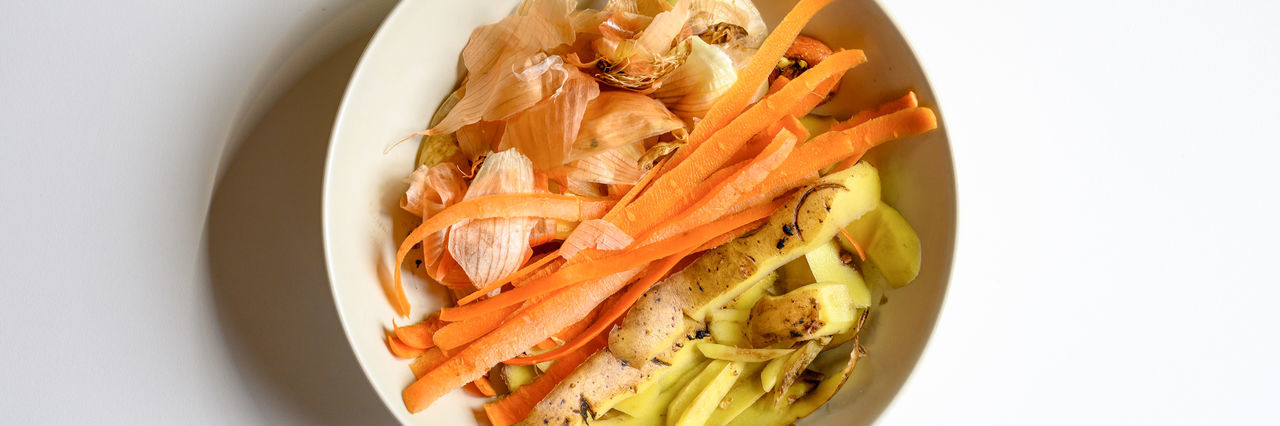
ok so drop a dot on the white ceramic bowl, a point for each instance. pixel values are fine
(412, 64)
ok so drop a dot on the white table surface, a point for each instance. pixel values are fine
(159, 212)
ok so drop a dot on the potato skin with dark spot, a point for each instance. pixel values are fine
(726, 271)
(671, 314)
(602, 381)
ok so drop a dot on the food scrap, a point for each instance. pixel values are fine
(640, 222)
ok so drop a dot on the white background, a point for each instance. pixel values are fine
(1117, 163)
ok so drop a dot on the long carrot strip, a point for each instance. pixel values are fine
(635, 190)
(792, 120)
(761, 140)
(550, 269)
(656, 271)
(456, 334)
(513, 408)
(576, 329)
(545, 205)
(624, 260)
(908, 100)
(428, 360)
(528, 269)
(716, 203)
(812, 99)
(668, 194)
(449, 353)
(716, 179)
(834, 146)
(519, 333)
(753, 74)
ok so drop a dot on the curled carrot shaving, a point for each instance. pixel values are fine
(525, 329)
(471, 388)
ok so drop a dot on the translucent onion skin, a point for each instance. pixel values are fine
(489, 249)
(742, 13)
(690, 90)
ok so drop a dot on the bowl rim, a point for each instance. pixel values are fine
(326, 216)
(362, 68)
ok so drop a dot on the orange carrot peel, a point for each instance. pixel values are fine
(525, 271)
(833, 146)
(523, 330)
(751, 76)
(419, 335)
(622, 261)
(657, 271)
(716, 203)
(456, 334)
(668, 193)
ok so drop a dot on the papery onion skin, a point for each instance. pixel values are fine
(618, 118)
(546, 132)
(498, 58)
(490, 249)
(692, 89)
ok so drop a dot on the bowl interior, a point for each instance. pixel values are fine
(412, 64)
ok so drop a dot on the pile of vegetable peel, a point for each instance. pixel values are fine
(586, 166)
